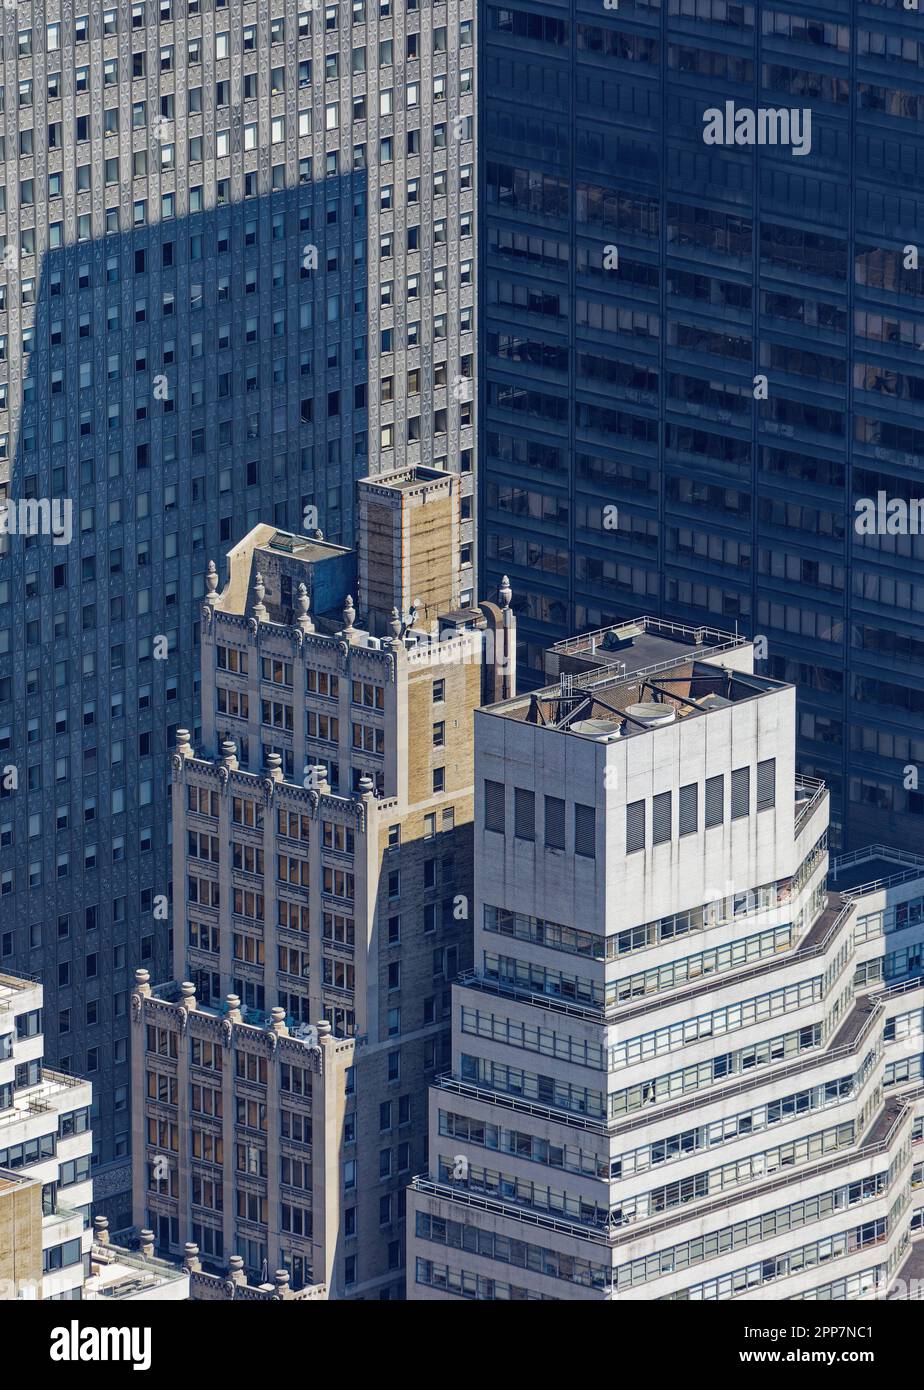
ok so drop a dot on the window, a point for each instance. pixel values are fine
(661, 818)
(766, 784)
(554, 822)
(524, 814)
(715, 800)
(635, 826)
(740, 792)
(494, 806)
(585, 830)
(688, 811)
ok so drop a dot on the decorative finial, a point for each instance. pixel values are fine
(277, 1021)
(302, 603)
(394, 625)
(505, 593)
(318, 534)
(349, 613)
(211, 583)
(259, 591)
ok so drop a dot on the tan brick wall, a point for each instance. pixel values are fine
(433, 542)
(20, 1237)
(462, 687)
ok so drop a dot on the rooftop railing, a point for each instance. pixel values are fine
(62, 1078)
(710, 983)
(817, 791)
(699, 636)
(915, 869)
(876, 885)
(522, 1106)
(619, 1232)
(706, 641)
(812, 1062)
(623, 1013)
(862, 856)
(34, 1106)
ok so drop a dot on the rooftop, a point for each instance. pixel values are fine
(11, 986)
(260, 1020)
(636, 676)
(875, 867)
(640, 644)
(122, 1274)
(11, 1180)
(53, 1092)
(620, 704)
(405, 479)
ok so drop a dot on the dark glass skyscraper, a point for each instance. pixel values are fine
(640, 283)
(236, 274)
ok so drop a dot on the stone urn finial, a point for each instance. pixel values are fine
(211, 583)
(259, 593)
(302, 604)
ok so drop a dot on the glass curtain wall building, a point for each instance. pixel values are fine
(639, 284)
(236, 274)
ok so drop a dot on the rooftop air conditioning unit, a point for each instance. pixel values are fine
(600, 730)
(652, 714)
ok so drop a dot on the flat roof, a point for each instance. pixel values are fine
(129, 1274)
(671, 670)
(621, 704)
(873, 867)
(308, 548)
(402, 478)
(637, 644)
(13, 985)
(9, 1178)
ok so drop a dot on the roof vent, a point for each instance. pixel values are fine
(620, 637)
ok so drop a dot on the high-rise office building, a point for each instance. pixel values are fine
(45, 1144)
(322, 885)
(236, 273)
(681, 1068)
(637, 284)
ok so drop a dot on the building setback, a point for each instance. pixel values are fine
(45, 1145)
(322, 886)
(696, 357)
(681, 1067)
(237, 274)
